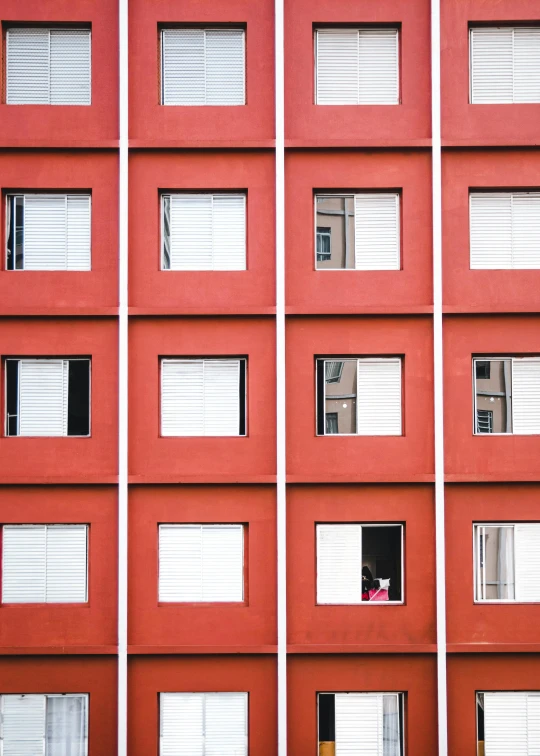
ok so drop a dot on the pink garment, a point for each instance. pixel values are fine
(378, 594)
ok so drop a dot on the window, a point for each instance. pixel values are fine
(203, 67)
(357, 67)
(508, 399)
(507, 562)
(206, 724)
(48, 232)
(505, 65)
(505, 230)
(201, 397)
(52, 724)
(201, 563)
(204, 232)
(48, 66)
(361, 723)
(48, 397)
(360, 232)
(44, 564)
(507, 723)
(365, 400)
(359, 563)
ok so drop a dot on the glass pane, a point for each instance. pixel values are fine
(66, 726)
(493, 386)
(381, 563)
(496, 563)
(335, 232)
(391, 738)
(166, 232)
(340, 396)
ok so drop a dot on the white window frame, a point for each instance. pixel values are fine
(10, 197)
(47, 526)
(363, 525)
(500, 358)
(353, 196)
(353, 357)
(478, 693)
(47, 359)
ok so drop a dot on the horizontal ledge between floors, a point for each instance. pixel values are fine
(57, 650)
(58, 312)
(352, 143)
(59, 144)
(140, 650)
(363, 648)
(375, 478)
(71, 480)
(531, 309)
(492, 477)
(209, 311)
(475, 143)
(196, 144)
(494, 648)
(359, 309)
(206, 478)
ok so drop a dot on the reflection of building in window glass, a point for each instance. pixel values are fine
(331, 422)
(495, 563)
(493, 388)
(340, 397)
(335, 232)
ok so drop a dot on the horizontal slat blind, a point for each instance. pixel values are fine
(379, 397)
(66, 563)
(78, 232)
(45, 232)
(526, 396)
(527, 560)
(203, 66)
(337, 67)
(376, 222)
(70, 67)
(23, 725)
(27, 76)
(533, 724)
(225, 724)
(43, 397)
(490, 230)
(527, 64)
(505, 724)
(222, 563)
(200, 397)
(378, 67)
(526, 230)
(339, 564)
(181, 724)
(505, 65)
(208, 232)
(359, 724)
(23, 564)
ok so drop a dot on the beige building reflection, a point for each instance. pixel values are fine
(335, 232)
(340, 395)
(493, 379)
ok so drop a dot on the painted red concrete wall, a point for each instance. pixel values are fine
(149, 676)
(313, 458)
(372, 625)
(463, 123)
(67, 125)
(414, 675)
(484, 290)
(510, 624)
(339, 125)
(61, 625)
(153, 124)
(66, 459)
(195, 459)
(248, 624)
(62, 292)
(468, 673)
(488, 457)
(155, 290)
(341, 291)
(95, 675)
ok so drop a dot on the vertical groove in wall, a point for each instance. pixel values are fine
(122, 376)
(438, 374)
(280, 381)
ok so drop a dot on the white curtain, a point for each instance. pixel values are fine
(391, 738)
(66, 726)
(505, 564)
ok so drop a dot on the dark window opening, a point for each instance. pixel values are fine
(327, 719)
(15, 232)
(480, 724)
(242, 397)
(79, 398)
(12, 397)
(483, 369)
(381, 554)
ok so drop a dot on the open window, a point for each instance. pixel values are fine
(507, 723)
(507, 562)
(359, 564)
(506, 395)
(47, 396)
(359, 396)
(358, 723)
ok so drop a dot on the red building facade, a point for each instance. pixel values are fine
(280, 644)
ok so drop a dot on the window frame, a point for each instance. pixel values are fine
(5, 360)
(399, 525)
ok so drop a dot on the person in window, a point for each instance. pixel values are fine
(367, 583)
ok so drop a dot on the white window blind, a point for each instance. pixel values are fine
(43, 397)
(512, 724)
(357, 67)
(339, 564)
(203, 724)
(505, 230)
(56, 232)
(200, 397)
(44, 564)
(48, 66)
(359, 724)
(505, 65)
(379, 397)
(527, 561)
(34, 725)
(377, 232)
(201, 563)
(203, 67)
(526, 396)
(207, 232)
